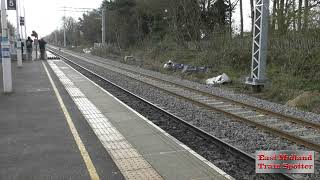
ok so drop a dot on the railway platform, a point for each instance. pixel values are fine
(57, 124)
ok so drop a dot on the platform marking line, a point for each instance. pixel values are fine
(131, 164)
(84, 153)
(205, 161)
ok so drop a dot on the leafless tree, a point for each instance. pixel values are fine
(241, 19)
(252, 15)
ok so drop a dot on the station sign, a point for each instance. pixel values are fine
(36, 42)
(21, 21)
(34, 34)
(12, 4)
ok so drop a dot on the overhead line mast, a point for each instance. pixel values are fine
(257, 77)
(64, 28)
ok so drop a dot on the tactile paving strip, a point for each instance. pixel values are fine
(140, 174)
(51, 56)
(120, 144)
(129, 161)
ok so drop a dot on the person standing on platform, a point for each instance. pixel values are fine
(22, 46)
(29, 42)
(42, 47)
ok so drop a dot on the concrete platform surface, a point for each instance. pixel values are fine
(35, 139)
(140, 149)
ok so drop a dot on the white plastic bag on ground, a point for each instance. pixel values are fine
(168, 65)
(223, 78)
(86, 51)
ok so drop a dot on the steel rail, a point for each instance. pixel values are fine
(226, 146)
(258, 109)
(290, 137)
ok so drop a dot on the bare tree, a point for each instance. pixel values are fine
(231, 7)
(209, 4)
(299, 15)
(294, 15)
(274, 17)
(252, 15)
(281, 16)
(306, 14)
(241, 19)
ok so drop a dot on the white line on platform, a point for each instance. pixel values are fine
(121, 151)
(84, 153)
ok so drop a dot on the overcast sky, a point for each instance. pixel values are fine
(44, 16)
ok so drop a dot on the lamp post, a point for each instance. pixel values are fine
(103, 28)
(64, 28)
(25, 25)
(19, 54)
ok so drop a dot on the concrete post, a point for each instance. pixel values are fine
(25, 23)
(5, 49)
(103, 41)
(64, 37)
(25, 32)
(19, 54)
(56, 37)
(64, 28)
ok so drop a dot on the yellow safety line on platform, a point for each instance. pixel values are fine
(84, 153)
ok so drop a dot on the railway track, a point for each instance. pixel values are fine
(294, 129)
(234, 161)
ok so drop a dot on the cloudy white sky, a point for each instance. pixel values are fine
(44, 16)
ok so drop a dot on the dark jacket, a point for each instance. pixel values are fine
(29, 43)
(42, 44)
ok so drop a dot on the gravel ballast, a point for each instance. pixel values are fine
(235, 165)
(243, 136)
(287, 110)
